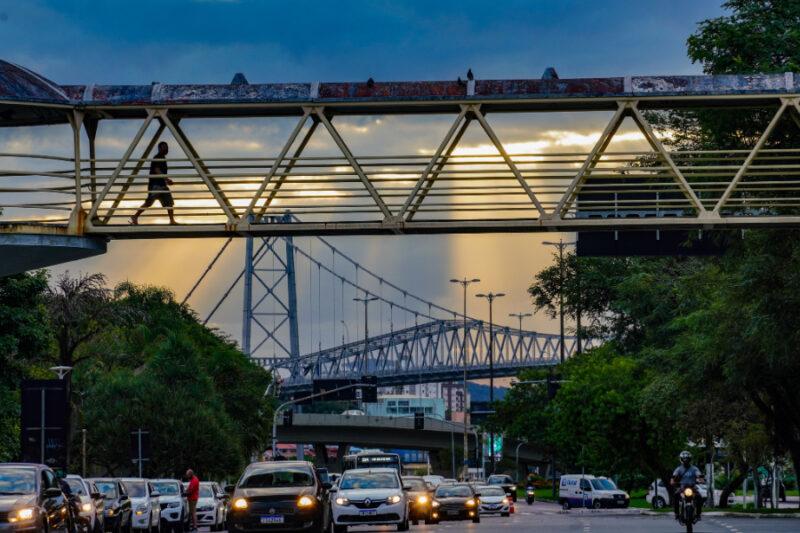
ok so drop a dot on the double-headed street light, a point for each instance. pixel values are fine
(561, 278)
(491, 297)
(520, 316)
(464, 284)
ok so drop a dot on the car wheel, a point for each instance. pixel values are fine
(339, 529)
(660, 503)
(596, 504)
(415, 522)
(505, 514)
(476, 519)
(403, 526)
(565, 505)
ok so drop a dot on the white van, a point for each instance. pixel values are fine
(579, 490)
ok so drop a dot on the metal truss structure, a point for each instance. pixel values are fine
(427, 353)
(272, 283)
(371, 193)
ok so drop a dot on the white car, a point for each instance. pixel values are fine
(433, 480)
(702, 490)
(174, 507)
(369, 496)
(494, 500)
(210, 507)
(145, 505)
(90, 520)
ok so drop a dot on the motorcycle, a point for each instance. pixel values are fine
(687, 514)
(530, 494)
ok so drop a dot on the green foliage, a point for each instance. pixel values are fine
(25, 342)
(157, 368)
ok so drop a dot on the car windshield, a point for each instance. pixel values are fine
(498, 480)
(415, 484)
(135, 489)
(206, 492)
(17, 481)
(453, 491)
(603, 484)
(167, 488)
(106, 488)
(492, 491)
(371, 480)
(274, 477)
(76, 486)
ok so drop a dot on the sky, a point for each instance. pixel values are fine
(207, 41)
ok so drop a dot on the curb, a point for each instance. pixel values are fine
(730, 514)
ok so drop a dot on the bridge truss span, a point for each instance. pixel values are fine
(442, 186)
(427, 353)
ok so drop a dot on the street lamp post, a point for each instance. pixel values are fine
(561, 275)
(491, 297)
(520, 316)
(464, 284)
(366, 300)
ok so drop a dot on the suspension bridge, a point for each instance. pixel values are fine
(413, 340)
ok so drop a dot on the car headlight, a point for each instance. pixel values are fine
(240, 503)
(422, 500)
(688, 492)
(395, 498)
(342, 501)
(109, 512)
(505, 501)
(26, 513)
(513, 487)
(305, 501)
(471, 503)
(204, 508)
(434, 503)
(174, 505)
(86, 507)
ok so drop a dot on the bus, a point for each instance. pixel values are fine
(373, 459)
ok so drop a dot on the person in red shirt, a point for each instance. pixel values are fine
(192, 493)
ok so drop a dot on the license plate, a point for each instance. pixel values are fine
(452, 513)
(368, 512)
(272, 519)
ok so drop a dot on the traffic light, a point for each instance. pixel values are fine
(419, 420)
(288, 418)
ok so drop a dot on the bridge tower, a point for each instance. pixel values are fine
(269, 322)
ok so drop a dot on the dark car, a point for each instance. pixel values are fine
(420, 497)
(31, 499)
(117, 504)
(279, 496)
(506, 482)
(457, 501)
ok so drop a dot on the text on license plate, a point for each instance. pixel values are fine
(367, 512)
(272, 519)
(452, 513)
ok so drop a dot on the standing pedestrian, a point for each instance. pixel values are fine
(192, 494)
(158, 186)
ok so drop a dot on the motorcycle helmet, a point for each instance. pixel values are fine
(686, 458)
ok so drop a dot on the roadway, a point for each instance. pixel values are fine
(549, 517)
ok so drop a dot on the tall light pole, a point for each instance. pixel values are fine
(561, 278)
(520, 316)
(366, 300)
(491, 297)
(464, 284)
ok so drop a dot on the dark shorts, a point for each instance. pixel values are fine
(162, 196)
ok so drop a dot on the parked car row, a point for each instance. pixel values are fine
(34, 499)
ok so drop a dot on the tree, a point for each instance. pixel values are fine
(25, 342)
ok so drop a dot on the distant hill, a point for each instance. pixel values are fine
(480, 393)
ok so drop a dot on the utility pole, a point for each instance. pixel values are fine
(83, 452)
(366, 300)
(561, 279)
(464, 284)
(490, 297)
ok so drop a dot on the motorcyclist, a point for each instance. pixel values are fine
(686, 475)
